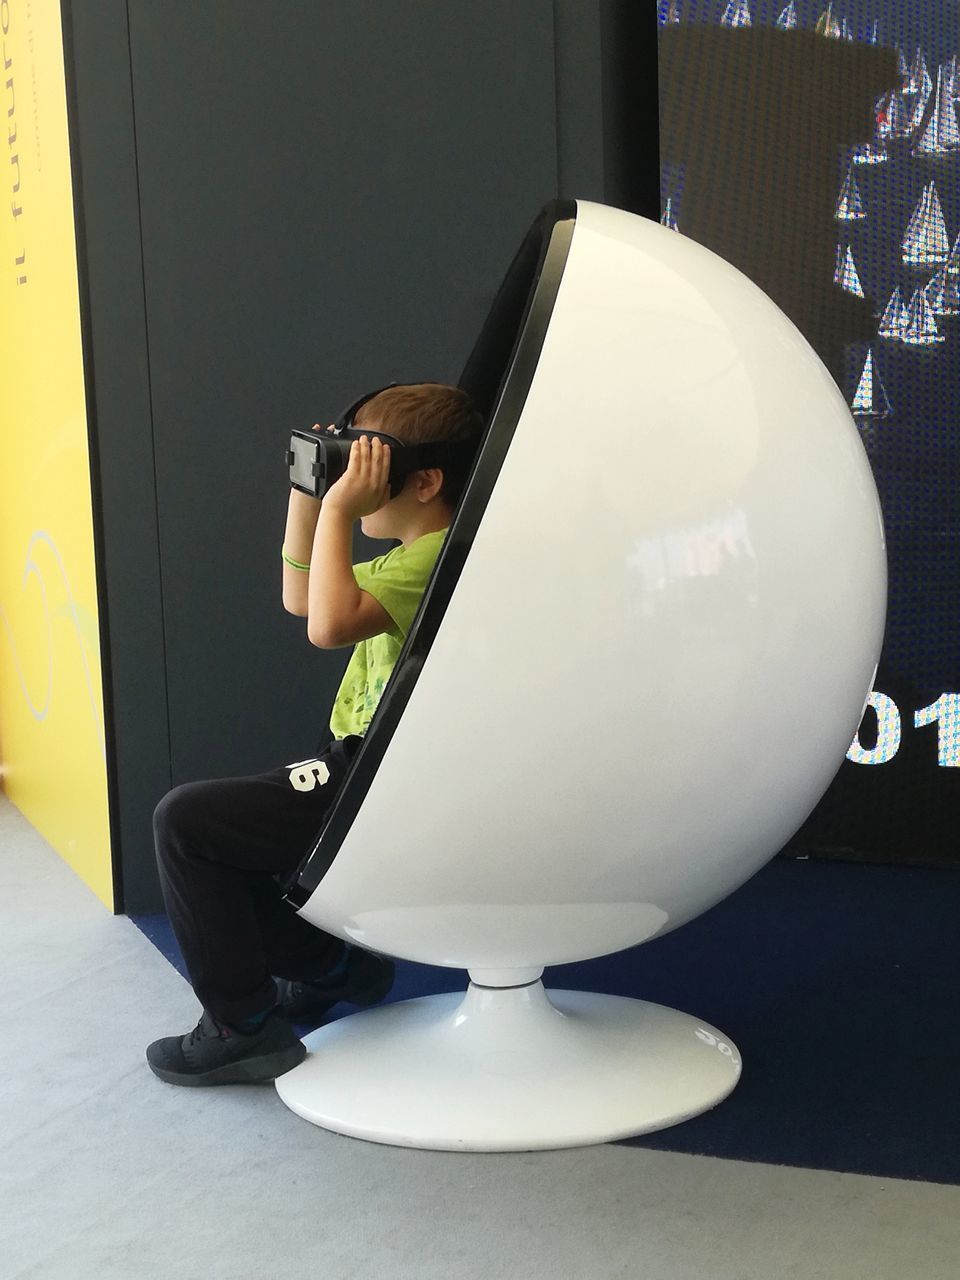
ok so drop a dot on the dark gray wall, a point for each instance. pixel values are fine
(328, 198)
(284, 205)
(120, 425)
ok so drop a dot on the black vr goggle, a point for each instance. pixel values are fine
(317, 459)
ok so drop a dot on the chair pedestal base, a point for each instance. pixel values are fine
(510, 1069)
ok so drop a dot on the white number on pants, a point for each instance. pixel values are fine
(305, 774)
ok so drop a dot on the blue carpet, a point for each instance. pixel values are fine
(837, 982)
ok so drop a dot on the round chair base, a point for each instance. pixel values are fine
(509, 1069)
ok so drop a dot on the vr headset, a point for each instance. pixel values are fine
(317, 459)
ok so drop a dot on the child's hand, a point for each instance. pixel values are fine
(363, 487)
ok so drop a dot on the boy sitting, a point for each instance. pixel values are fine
(224, 846)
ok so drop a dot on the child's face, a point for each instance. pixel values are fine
(393, 518)
(382, 522)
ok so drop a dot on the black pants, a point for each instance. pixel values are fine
(223, 849)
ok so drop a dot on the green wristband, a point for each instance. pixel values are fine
(294, 564)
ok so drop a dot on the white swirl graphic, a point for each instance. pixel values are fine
(31, 566)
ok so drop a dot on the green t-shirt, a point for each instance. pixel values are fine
(397, 581)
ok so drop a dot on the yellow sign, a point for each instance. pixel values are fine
(52, 750)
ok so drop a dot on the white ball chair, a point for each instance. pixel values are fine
(641, 659)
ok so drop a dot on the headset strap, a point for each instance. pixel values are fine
(432, 453)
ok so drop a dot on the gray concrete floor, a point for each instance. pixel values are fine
(106, 1172)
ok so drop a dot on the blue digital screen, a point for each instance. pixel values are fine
(817, 147)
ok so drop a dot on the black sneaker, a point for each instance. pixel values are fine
(368, 978)
(216, 1054)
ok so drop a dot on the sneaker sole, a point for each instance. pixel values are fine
(247, 1071)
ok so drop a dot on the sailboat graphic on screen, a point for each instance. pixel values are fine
(870, 399)
(920, 326)
(828, 24)
(736, 14)
(894, 318)
(943, 293)
(925, 242)
(875, 151)
(846, 274)
(850, 205)
(941, 134)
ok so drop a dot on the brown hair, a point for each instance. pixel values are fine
(425, 412)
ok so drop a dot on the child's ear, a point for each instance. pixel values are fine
(429, 483)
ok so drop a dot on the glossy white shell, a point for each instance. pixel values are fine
(661, 643)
